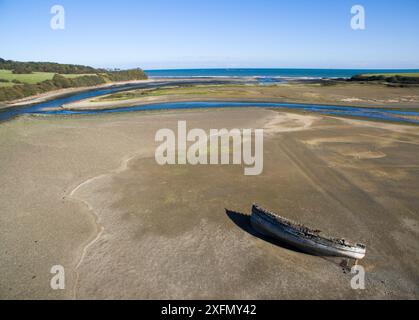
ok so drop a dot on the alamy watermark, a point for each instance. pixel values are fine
(58, 19)
(220, 146)
(358, 280)
(358, 19)
(58, 280)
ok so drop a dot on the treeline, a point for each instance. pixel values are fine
(58, 82)
(29, 67)
(89, 76)
(126, 75)
(396, 79)
(23, 90)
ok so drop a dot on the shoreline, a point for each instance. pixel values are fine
(293, 88)
(79, 106)
(50, 95)
(153, 92)
(301, 92)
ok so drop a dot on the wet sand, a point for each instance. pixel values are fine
(342, 94)
(87, 193)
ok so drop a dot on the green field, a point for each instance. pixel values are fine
(31, 78)
(6, 84)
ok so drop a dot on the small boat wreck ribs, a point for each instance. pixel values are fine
(272, 225)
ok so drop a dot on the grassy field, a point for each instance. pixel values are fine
(6, 84)
(32, 78)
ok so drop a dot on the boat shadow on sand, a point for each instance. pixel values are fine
(243, 222)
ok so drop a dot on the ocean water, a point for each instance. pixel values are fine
(270, 73)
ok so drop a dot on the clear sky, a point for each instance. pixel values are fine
(213, 33)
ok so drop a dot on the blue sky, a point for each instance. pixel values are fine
(213, 33)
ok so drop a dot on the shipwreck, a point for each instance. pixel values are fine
(299, 236)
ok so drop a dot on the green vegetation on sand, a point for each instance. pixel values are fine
(406, 74)
(392, 78)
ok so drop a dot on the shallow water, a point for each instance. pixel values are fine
(369, 113)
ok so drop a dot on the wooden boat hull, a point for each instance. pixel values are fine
(306, 242)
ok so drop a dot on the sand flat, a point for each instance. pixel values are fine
(86, 192)
(342, 94)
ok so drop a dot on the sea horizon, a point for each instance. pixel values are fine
(314, 73)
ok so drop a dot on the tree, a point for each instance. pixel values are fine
(22, 69)
(61, 81)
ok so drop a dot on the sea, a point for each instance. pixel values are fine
(270, 73)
